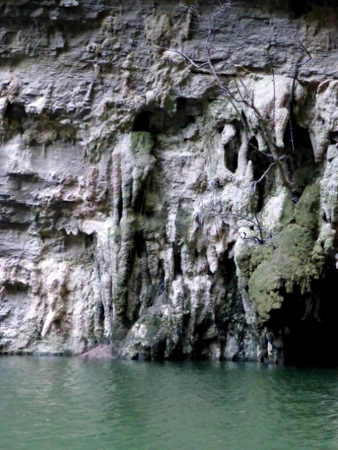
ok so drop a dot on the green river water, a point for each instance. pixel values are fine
(70, 403)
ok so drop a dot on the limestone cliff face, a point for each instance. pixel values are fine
(127, 203)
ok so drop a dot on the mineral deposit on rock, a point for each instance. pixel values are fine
(127, 196)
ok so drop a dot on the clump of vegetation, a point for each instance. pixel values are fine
(292, 258)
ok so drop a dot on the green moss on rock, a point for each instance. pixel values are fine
(294, 261)
(292, 258)
(141, 142)
(287, 212)
(307, 209)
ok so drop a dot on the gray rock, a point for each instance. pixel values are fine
(126, 182)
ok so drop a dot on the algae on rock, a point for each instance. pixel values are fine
(291, 258)
(127, 180)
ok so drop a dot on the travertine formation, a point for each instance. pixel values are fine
(129, 213)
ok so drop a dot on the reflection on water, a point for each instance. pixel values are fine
(64, 403)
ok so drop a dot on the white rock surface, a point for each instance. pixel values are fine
(126, 178)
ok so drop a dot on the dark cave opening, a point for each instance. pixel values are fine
(189, 107)
(299, 8)
(15, 111)
(89, 239)
(231, 149)
(101, 315)
(159, 121)
(311, 343)
(181, 104)
(177, 265)
(231, 160)
(300, 136)
(120, 207)
(308, 324)
(142, 122)
(253, 144)
(140, 244)
(333, 138)
(260, 162)
(299, 163)
(14, 288)
(202, 340)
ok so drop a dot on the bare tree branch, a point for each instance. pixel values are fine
(263, 234)
(254, 184)
(258, 239)
(242, 96)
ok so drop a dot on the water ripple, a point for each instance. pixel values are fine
(54, 403)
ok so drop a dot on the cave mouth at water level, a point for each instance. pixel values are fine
(312, 343)
(308, 325)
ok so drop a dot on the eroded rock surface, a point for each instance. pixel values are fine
(127, 196)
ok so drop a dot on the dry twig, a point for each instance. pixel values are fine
(246, 98)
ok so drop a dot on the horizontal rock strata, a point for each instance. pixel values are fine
(129, 212)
